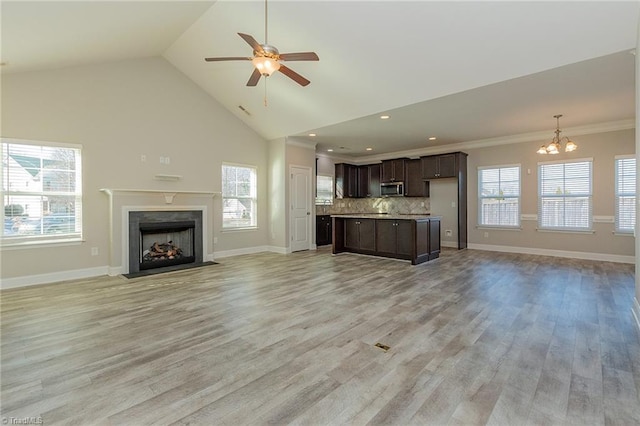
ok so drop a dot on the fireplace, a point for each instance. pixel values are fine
(166, 244)
(164, 240)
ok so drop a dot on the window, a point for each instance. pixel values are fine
(625, 194)
(324, 190)
(499, 196)
(564, 195)
(239, 191)
(42, 192)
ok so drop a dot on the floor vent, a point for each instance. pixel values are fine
(383, 347)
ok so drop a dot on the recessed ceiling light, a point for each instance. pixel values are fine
(312, 134)
(384, 117)
(330, 150)
(432, 138)
(369, 149)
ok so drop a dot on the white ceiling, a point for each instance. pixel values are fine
(460, 71)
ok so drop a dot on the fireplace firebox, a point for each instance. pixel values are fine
(166, 244)
(163, 240)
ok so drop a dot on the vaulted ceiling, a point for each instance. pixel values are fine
(459, 71)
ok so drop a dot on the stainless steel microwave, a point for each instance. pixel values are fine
(393, 189)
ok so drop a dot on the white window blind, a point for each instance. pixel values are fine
(499, 196)
(565, 195)
(42, 192)
(324, 190)
(239, 200)
(625, 194)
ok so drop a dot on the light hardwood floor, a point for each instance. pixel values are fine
(475, 338)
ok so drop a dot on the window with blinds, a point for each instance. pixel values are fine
(324, 190)
(42, 192)
(499, 196)
(239, 197)
(625, 194)
(565, 195)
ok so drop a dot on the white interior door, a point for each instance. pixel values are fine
(300, 197)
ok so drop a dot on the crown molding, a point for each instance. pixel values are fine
(300, 143)
(611, 126)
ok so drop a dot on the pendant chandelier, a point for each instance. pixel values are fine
(556, 143)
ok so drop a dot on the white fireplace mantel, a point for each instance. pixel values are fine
(168, 194)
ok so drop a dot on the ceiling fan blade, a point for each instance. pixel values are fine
(252, 42)
(229, 58)
(300, 56)
(255, 76)
(293, 75)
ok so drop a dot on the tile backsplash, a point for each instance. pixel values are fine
(392, 205)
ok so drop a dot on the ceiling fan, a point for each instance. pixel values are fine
(267, 59)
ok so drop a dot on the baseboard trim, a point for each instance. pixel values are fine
(280, 250)
(238, 252)
(29, 280)
(635, 310)
(452, 244)
(556, 253)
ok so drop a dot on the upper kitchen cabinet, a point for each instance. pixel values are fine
(369, 181)
(440, 166)
(414, 184)
(346, 180)
(393, 171)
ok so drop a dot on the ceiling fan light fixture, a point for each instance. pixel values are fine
(265, 65)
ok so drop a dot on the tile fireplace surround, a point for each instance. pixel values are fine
(124, 201)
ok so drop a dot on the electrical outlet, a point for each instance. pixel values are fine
(486, 235)
(453, 204)
(448, 232)
(95, 251)
(167, 160)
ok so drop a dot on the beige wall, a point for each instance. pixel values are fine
(602, 148)
(277, 194)
(118, 112)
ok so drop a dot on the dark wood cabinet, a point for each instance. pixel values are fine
(440, 166)
(393, 171)
(323, 230)
(414, 184)
(359, 234)
(346, 180)
(369, 181)
(417, 240)
(393, 237)
(452, 165)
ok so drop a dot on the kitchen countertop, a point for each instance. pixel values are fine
(395, 216)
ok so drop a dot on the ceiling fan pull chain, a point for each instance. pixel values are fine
(265, 92)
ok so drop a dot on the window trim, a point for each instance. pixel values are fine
(518, 197)
(224, 228)
(617, 229)
(565, 229)
(26, 241)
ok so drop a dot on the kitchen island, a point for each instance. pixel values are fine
(402, 236)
